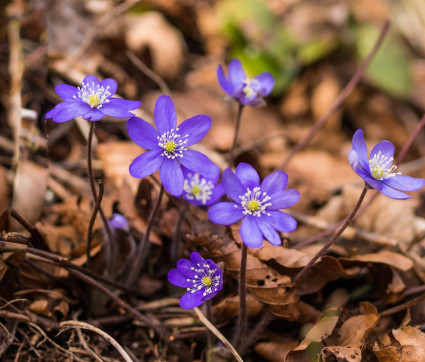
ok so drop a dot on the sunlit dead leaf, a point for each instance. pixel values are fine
(165, 42)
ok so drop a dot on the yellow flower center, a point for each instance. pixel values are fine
(196, 190)
(253, 205)
(94, 100)
(206, 280)
(170, 146)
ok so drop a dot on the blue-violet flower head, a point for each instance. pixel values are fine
(257, 204)
(199, 190)
(92, 101)
(378, 170)
(247, 91)
(202, 279)
(167, 146)
(118, 221)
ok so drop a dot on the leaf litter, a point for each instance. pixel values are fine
(335, 313)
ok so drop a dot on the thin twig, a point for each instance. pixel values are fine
(217, 333)
(77, 324)
(148, 72)
(347, 221)
(403, 306)
(151, 322)
(341, 98)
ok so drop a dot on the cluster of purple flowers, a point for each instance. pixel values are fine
(191, 174)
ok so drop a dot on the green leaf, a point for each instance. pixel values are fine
(389, 69)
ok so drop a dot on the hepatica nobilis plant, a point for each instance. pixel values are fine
(257, 204)
(92, 101)
(202, 279)
(168, 146)
(247, 91)
(378, 170)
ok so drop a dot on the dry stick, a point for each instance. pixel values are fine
(109, 246)
(237, 126)
(92, 220)
(138, 261)
(403, 306)
(242, 317)
(213, 329)
(77, 324)
(347, 221)
(338, 101)
(66, 264)
(148, 72)
(151, 322)
(410, 140)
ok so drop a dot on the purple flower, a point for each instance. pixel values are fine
(118, 221)
(93, 100)
(202, 279)
(199, 190)
(168, 147)
(249, 92)
(378, 170)
(257, 204)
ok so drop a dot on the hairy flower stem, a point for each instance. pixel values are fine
(342, 96)
(242, 317)
(142, 248)
(208, 313)
(93, 219)
(109, 245)
(235, 137)
(347, 221)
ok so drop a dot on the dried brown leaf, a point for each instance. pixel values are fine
(342, 354)
(386, 257)
(152, 30)
(275, 351)
(229, 307)
(29, 192)
(320, 331)
(289, 258)
(355, 330)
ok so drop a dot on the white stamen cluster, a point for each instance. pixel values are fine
(198, 188)
(172, 143)
(204, 279)
(93, 94)
(380, 167)
(248, 88)
(254, 202)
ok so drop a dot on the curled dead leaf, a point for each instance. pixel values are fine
(275, 351)
(342, 354)
(165, 42)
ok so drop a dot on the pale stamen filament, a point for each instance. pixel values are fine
(93, 94)
(254, 202)
(204, 279)
(381, 167)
